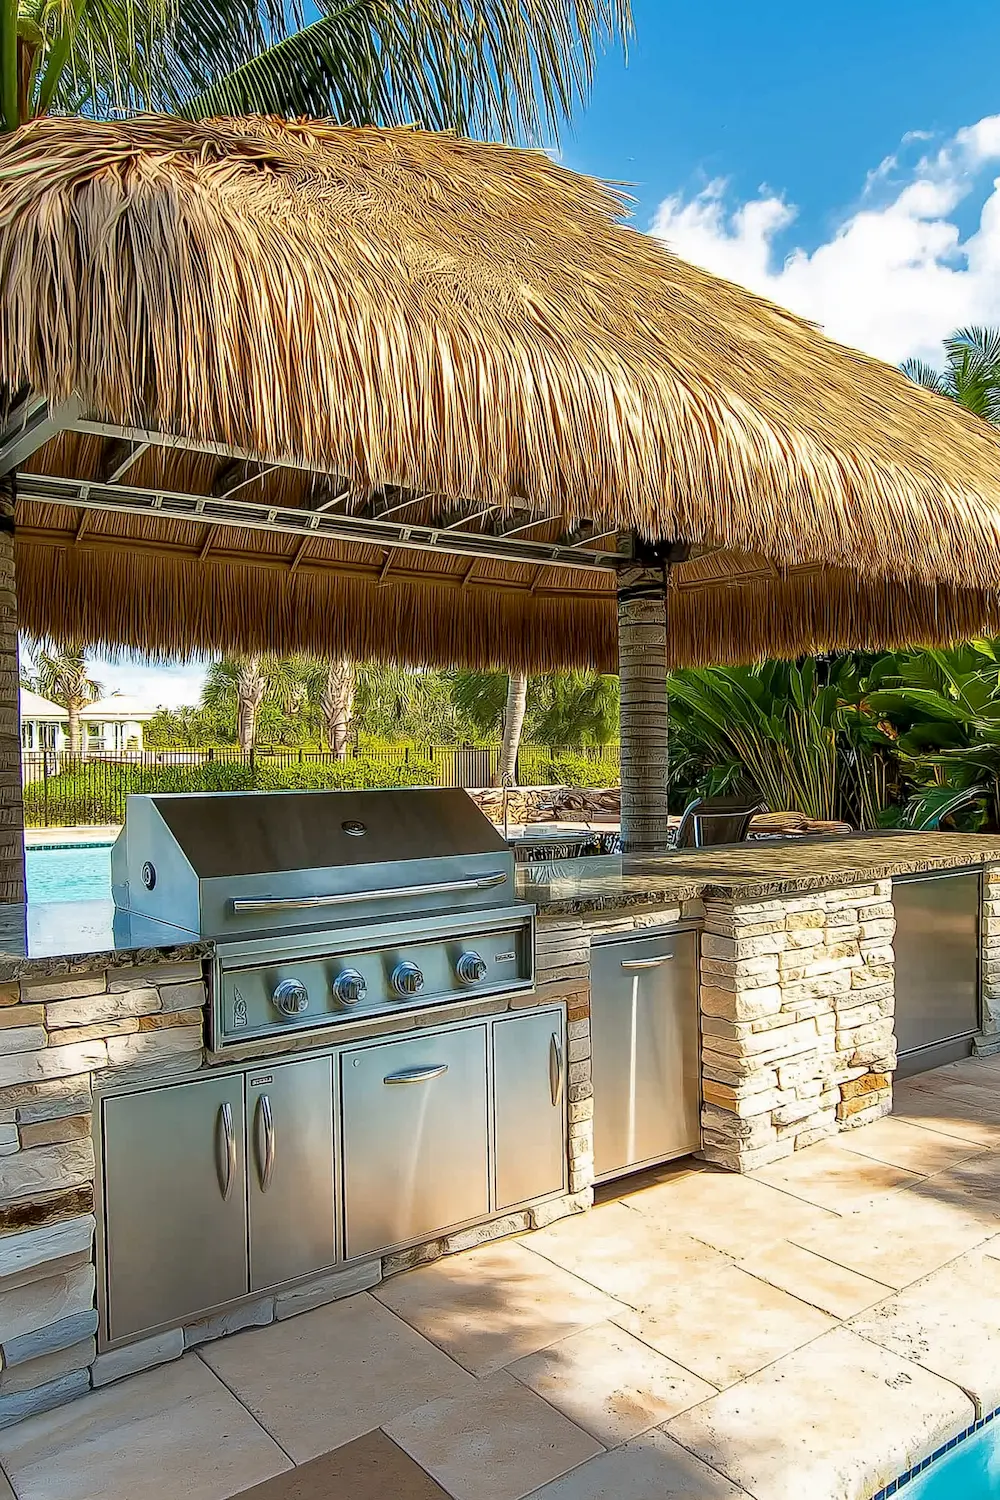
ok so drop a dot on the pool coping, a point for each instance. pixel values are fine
(908, 1475)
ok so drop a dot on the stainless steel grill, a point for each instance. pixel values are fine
(328, 906)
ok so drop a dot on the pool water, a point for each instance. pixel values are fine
(971, 1471)
(78, 873)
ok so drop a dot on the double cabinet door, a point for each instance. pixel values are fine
(227, 1185)
(215, 1188)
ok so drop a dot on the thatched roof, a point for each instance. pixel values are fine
(414, 315)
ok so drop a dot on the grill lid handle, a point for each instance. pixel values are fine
(242, 904)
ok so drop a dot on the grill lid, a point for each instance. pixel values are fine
(224, 862)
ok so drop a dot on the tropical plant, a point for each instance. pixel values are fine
(492, 701)
(239, 687)
(576, 708)
(62, 674)
(499, 67)
(971, 375)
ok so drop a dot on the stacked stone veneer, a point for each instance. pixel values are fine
(797, 1003)
(59, 1036)
(989, 933)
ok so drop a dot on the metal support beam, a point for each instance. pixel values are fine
(30, 427)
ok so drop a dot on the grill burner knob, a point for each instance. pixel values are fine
(407, 979)
(471, 969)
(349, 987)
(291, 997)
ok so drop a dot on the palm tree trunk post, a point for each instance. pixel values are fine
(337, 704)
(642, 665)
(11, 803)
(513, 723)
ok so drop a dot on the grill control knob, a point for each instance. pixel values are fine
(291, 997)
(471, 969)
(407, 979)
(349, 987)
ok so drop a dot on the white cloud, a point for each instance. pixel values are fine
(154, 686)
(896, 276)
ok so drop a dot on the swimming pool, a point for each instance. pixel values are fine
(969, 1470)
(76, 872)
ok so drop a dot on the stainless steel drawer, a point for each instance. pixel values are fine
(936, 947)
(529, 1101)
(414, 1138)
(645, 1039)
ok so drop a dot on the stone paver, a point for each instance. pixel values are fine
(964, 1118)
(611, 1384)
(730, 1326)
(170, 1432)
(652, 1467)
(497, 1442)
(493, 1305)
(836, 1420)
(949, 1323)
(325, 1377)
(812, 1278)
(912, 1147)
(838, 1180)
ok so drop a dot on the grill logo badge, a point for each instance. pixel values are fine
(239, 1009)
(504, 958)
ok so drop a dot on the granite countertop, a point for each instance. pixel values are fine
(746, 872)
(75, 937)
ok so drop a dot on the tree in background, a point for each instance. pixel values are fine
(238, 687)
(491, 701)
(61, 674)
(971, 375)
(513, 68)
(338, 704)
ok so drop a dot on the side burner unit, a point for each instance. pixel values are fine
(328, 906)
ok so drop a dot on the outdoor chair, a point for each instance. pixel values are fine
(715, 820)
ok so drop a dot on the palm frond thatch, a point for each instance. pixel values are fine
(469, 322)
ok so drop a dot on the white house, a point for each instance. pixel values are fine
(43, 723)
(113, 726)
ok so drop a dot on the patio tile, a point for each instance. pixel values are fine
(949, 1323)
(836, 1420)
(372, 1467)
(973, 1186)
(172, 1431)
(839, 1180)
(489, 1306)
(903, 1237)
(913, 1147)
(498, 1441)
(730, 1212)
(814, 1279)
(943, 1112)
(652, 1467)
(318, 1380)
(610, 1384)
(629, 1255)
(728, 1326)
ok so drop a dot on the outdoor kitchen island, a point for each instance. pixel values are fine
(794, 943)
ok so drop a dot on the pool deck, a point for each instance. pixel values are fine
(810, 1331)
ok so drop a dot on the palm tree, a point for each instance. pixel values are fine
(242, 684)
(491, 699)
(338, 703)
(971, 375)
(512, 68)
(62, 674)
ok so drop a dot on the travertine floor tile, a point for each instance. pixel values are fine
(836, 1420)
(318, 1380)
(972, 1186)
(940, 1111)
(499, 1441)
(820, 1282)
(949, 1323)
(903, 1237)
(489, 1306)
(372, 1467)
(627, 1254)
(734, 1214)
(731, 1325)
(175, 1431)
(834, 1179)
(913, 1147)
(652, 1467)
(611, 1384)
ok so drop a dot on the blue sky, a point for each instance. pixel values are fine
(843, 160)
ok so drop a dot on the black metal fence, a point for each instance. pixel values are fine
(61, 788)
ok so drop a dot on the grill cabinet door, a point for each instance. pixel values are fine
(175, 1203)
(529, 1106)
(644, 1035)
(414, 1133)
(290, 1166)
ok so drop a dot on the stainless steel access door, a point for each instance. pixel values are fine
(174, 1203)
(937, 967)
(529, 1106)
(644, 1034)
(291, 1170)
(414, 1137)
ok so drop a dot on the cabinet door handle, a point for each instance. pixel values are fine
(646, 963)
(555, 1068)
(265, 1142)
(227, 1156)
(416, 1075)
